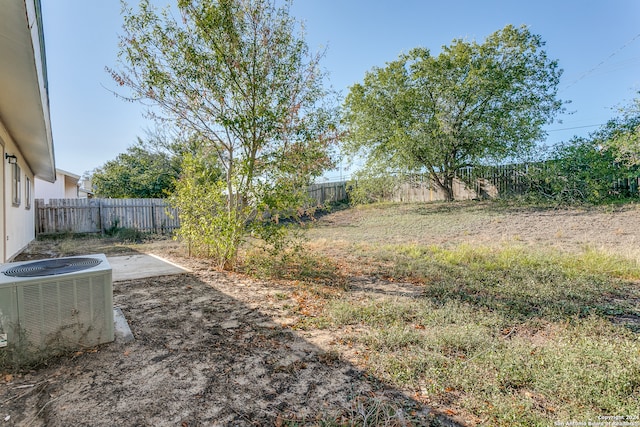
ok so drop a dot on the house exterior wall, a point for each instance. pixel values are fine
(2, 192)
(18, 222)
(50, 190)
(70, 188)
(25, 125)
(64, 187)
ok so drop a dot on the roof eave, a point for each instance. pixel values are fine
(24, 106)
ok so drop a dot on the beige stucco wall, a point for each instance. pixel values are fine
(17, 226)
(65, 187)
(70, 188)
(50, 190)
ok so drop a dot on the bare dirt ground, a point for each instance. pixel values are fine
(217, 348)
(209, 349)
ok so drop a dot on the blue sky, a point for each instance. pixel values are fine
(597, 43)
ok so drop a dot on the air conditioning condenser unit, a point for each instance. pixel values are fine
(54, 305)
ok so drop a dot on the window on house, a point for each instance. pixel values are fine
(27, 193)
(15, 188)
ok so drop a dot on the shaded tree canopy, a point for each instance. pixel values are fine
(472, 102)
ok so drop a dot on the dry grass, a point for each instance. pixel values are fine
(521, 317)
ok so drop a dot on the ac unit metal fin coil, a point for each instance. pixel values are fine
(52, 267)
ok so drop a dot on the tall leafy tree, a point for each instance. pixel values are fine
(140, 172)
(473, 101)
(238, 76)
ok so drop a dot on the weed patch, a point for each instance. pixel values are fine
(520, 283)
(293, 264)
(524, 375)
(511, 336)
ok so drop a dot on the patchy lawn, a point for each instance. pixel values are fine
(479, 313)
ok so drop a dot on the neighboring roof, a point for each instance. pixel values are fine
(71, 175)
(24, 97)
(88, 193)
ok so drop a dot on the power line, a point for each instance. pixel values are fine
(602, 62)
(576, 127)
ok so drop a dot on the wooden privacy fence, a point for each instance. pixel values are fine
(480, 182)
(145, 215)
(518, 179)
(487, 182)
(330, 192)
(99, 215)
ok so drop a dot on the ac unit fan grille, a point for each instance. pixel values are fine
(52, 267)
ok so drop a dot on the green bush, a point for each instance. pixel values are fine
(580, 171)
(371, 188)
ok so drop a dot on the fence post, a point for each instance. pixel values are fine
(100, 219)
(153, 216)
(38, 219)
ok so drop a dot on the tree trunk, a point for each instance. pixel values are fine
(445, 184)
(448, 192)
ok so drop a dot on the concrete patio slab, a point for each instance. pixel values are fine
(130, 267)
(141, 266)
